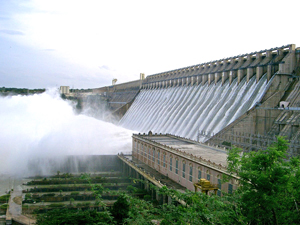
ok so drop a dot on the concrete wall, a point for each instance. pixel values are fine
(74, 164)
(132, 85)
(120, 96)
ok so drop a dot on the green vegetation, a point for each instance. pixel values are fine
(80, 90)
(22, 91)
(56, 205)
(4, 198)
(269, 194)
(270, 184)
(74, 217)
(4, 206)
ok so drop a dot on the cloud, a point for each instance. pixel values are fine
(49, 50)
(104, 67)
(12, 32)
(131, 40)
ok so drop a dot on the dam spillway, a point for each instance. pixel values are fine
(184, 110)
(199, 101)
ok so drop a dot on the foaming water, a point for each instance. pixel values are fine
(45, 126)
(184, 110)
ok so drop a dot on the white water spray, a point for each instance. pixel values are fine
(44, 125)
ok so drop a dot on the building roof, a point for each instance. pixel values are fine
(216, 155)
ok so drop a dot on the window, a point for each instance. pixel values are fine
(208, 177)
(229, 188)
(183, 169)
(158, 157)
(219, 186)
(164, 163)
(153, 155)
(191, 173)
(176, 170)
(142, 150)
(149, 156)
(199, 174)
(170, 164)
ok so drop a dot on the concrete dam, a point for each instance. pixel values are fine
(199, 101)
(245, 100)
(184, 110)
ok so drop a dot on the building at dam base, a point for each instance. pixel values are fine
(182, 160)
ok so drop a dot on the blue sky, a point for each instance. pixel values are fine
(85, 44)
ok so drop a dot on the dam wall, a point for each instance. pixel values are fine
(258, 127)
(119, 96)
(74, 164)
(212, 96)
(183, 110)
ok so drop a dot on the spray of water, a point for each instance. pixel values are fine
(45, 126)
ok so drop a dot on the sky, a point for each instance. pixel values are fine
(85, 44)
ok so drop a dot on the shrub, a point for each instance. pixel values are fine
(49, 194)
(4, 206)
(56, 205)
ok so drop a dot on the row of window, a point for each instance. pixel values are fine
(171, 163)
(208, 176)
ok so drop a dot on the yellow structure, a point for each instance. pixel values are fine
(205, 186)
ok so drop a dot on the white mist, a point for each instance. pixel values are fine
(44, 125)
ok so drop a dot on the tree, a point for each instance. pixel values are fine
(120, 208)
(199, 208)
(269, 184)
(71, 201)
(74, 217)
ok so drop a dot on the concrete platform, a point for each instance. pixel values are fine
(196, 149)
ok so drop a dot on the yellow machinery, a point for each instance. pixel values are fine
(205, 186)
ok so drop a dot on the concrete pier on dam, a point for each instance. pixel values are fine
(256, 64)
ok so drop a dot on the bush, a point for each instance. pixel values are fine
(4, 198)
(131, 189)
(4, 206)
(75, 193)
(147, 198)
(28, 196)
(49, 194)
(56, 205)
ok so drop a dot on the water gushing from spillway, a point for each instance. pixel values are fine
(39, 132)
(184, 110)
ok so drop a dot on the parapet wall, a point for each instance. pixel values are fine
(132, 85)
